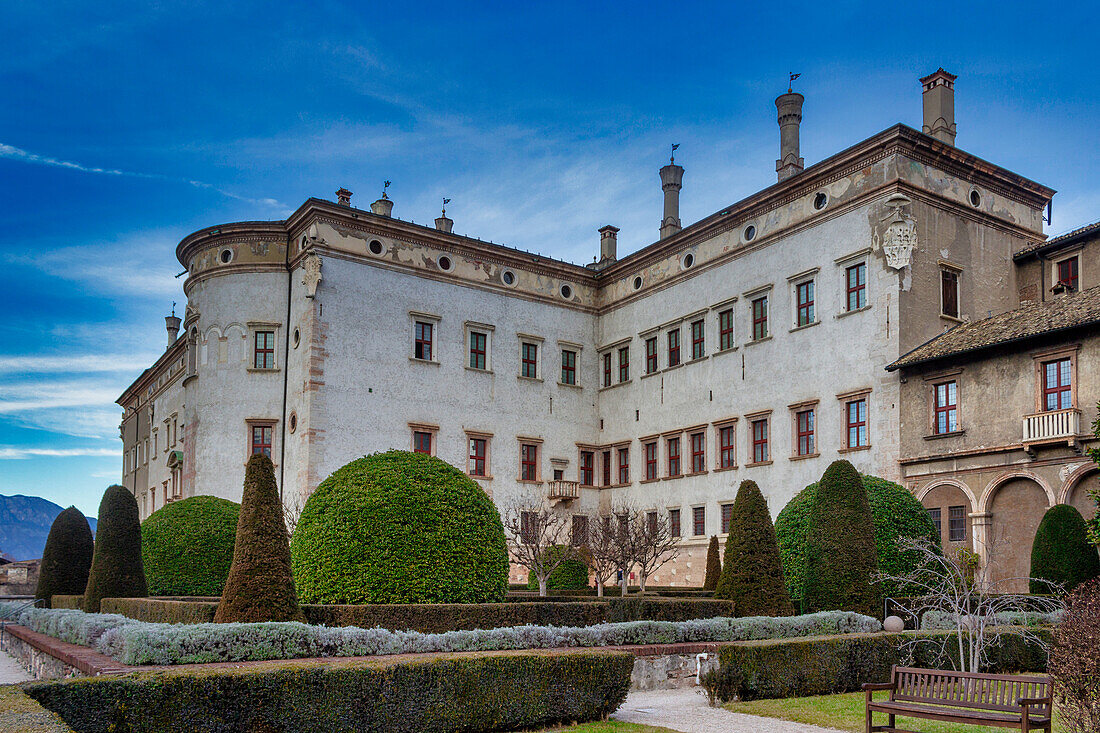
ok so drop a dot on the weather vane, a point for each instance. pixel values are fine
(173, 309)
(672, 158)
(384, 187)
(445, 202)
(790, 84)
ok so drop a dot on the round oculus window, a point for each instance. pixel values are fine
(375, 247)
(638, 283)
(293, 422)
(225, 256)
(508, 277)
(445, 264)
(750, 233)
(820, 201)
(688, 261)
(975, 199)
(297, 338)
(566, 292)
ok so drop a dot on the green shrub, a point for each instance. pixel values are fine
(828, 665)
(841, 561)
(117, 570)
(714, 565)
(1075, 659)
(400, 527)
(67, 557)
(896, 513)
(22, 714)
(187, 546)
(160, 611)
(67, 602)
(504, 691)
(1061, 552)
(260, 586)
(570, 574)
(752, 573)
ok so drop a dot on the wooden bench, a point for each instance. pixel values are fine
(999, 700)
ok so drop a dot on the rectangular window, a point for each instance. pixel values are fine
(759, 440)
(805, 296)
(568, 367)
(674, 522)
(422, 442)
(947, 408)
(651, 523)
(937, 519)
(261, 439)
(673, 456)
(529, 462)
(857, 423)
(698, 452)
(607, 369)
(624, 364)
(727, 515)
(1057, 385)
(760, 318)
(725, 329)
(478, 453)
(477, 350)
(698, 339)
(674, 347)
(856, 277)
(805, 428)
(956, 523)
(651, 355)
(529, 360)
(624, 465)
(263, 354)
(726, 453)
(422, 349)
(650, 461)
(949, 280)
(579, 534)
(699, 521)
(1067, 273)
(605, 461)
(588, 475)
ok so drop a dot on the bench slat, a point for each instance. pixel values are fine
(994, 692)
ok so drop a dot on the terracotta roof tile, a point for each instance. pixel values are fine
(1032, 246)
(1062, 313)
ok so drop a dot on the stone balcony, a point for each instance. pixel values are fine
(563, 490)
(1053, 427)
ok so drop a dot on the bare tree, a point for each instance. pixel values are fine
(627, 539)
(534, 530)
(292, 512)
(652, 543)
(975, 608)
(602, 550)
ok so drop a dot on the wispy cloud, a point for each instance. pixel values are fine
(16, 453)
(84, 363)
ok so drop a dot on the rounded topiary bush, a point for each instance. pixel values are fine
(187, 546)
(67, 557)
(399, 527)
(1061, 553)
(117, 570)
(570, 574)
(896, 513)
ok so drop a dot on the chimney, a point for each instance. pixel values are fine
(939, 105)
(172, 323)
(790, 117)
(383, 206)
(343, 197)
(672, 180)
(608, 242)
(442, 223)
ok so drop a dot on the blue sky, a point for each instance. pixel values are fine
(126, 125)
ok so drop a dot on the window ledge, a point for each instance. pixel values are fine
(952, 319)
(754, 342)
(263, 370)
(528, 481)
(804, 326)
(802, 458)
(852, 312)
(528, 379)
(479, 371)
(480, 478)
(650, 374)
(724, 468)
(842, 451)
(697, 473)
(675, 366)
(649, 480)
(952, 434)
(570, 386)
(704, 357)
(616, 384)
(730, 350)
(758, 463)
(424, 361)
(673, 478)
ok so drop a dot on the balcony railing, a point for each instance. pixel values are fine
(1053, 426)
(564, 490)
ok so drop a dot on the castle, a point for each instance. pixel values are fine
(751, 344)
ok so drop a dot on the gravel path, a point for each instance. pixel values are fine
(686, 710)
(11, 671)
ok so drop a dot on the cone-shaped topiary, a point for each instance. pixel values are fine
(187, 546)
(400, 527)
(260, 586)
(752, 574)
(570, 574)
(714, 565)
(67, 557)
(1062, 553)
(841, 560)
(117, 570)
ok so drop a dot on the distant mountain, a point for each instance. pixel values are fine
(24, 525)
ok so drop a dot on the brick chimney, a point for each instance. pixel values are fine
(172, 324)
(789, 106)
(672, 180)
(939, 105)
(608, 243)
(343, 197)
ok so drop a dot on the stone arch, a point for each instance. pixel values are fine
(1075, 489)
(1015, 503)
(997, 483)
(941, 496)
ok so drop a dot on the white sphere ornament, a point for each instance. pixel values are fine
(893, 624)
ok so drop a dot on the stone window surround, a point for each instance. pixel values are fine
(522, 440)
(268, 422)
(1067, 254)
(940, 377)
(1058, 353)
(750, 418)
(576, 349)
(948, 266)
(795, 408)
(486, 329)
(488, 438)
(423, 317)
(729, 304)
(852, 396)
(253, 327)
(801, 278)
(538, 341)
(718, 425)
(423, 427)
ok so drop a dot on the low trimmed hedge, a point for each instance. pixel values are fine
(430, 618)
(64, 601)
(22, 714)
(831, 665)
(487, 693)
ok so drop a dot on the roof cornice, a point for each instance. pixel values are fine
(170, 355)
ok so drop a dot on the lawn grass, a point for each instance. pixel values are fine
(845, 712)
(609, 726)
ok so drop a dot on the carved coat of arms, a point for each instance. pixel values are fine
(311, 273)
(900, 236)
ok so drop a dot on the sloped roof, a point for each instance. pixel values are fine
(1061, 314)
(1059, 240)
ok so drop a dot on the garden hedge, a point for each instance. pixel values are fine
(20, 713)
(1061, 552)
(484, 692)
(752, 573)
(67, 601)
(714, 565)
(829, 665)
(896, 513)
(187, 546)
(117, 570)
(570, 574)
(400, 527)
(67, 557)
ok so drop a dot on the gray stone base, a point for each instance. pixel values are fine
(41, 665)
